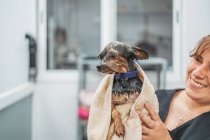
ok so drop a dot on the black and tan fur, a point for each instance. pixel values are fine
(117, 57)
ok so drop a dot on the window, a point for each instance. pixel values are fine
(146, 24)
(73, 30)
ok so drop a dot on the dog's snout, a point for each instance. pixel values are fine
(99, 67)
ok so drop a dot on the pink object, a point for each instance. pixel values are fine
(83, 113)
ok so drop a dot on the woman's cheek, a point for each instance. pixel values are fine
(190, 68)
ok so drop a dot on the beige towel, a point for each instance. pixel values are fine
(100, 113)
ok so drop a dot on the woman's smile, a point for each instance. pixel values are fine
(197, 84)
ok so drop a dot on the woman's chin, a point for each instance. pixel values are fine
(198, 94)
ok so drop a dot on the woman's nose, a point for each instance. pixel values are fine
(200, 71)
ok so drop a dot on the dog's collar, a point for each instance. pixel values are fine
(126, 75)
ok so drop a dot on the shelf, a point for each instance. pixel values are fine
(85, 64)
(133, 13)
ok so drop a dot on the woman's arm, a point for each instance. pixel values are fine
(152, 127)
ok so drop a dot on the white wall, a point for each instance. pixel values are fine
(17, 18)
(55, 111)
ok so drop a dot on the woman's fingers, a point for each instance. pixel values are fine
(149, 120)
(144, 137)
(154, 116)
(145, 130)
(146, 120)
(152, 126)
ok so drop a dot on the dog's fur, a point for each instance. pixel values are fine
(117, 57)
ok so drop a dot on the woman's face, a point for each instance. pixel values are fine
(198, 78)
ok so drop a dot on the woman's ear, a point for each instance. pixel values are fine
(140, 54)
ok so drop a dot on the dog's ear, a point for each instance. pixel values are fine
(105, 50)
(102, 54)
(140, 54)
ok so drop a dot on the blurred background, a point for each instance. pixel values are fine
(49, 50)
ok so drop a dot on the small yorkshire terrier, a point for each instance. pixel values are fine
(118, 58)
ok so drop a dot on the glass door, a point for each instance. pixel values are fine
(73, 30)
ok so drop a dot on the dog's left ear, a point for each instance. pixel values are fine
(140, 54)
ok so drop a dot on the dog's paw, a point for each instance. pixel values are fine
(119, 129)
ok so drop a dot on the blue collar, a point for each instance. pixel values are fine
(126, 75)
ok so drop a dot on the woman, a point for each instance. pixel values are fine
(184, 113)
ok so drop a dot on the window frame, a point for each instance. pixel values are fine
(109, 33)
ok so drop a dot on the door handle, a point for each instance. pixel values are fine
(32, 57)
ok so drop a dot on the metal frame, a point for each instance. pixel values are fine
(84, 64)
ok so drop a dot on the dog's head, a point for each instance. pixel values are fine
(116, 57)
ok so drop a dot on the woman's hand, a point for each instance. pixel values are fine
(152, 127)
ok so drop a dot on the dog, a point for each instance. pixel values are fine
(118, 58)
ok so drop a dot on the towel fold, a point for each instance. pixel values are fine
(99, 127)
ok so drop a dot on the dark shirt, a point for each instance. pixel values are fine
(197, 128)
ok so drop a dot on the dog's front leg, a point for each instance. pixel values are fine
(119, 128)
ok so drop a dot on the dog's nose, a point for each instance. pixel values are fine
(99, 67)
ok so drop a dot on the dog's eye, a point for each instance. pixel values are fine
(112, 56)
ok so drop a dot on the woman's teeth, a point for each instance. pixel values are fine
(196, 84)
